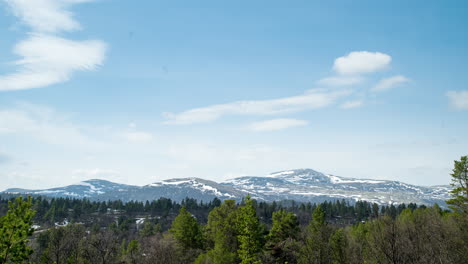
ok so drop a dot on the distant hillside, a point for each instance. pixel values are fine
(302, 185)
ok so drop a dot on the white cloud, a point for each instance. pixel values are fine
(277, 124)
(138, 136)
(341, 80)
(47, 59)
(389, 83)
(49, 16)
(352, 104)
(458, 99)
(360, 62)
(312, 99)
(350, 68)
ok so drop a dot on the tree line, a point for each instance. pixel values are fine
(52, 210)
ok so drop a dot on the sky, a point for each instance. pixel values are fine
(137, 92)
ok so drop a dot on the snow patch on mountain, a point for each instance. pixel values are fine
(336, 179)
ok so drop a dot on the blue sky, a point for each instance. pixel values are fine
(136, 93)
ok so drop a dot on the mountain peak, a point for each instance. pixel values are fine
(301, 176)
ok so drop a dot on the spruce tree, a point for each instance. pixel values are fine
(282, 242)
(459, 201)
(222, 233)
(15, 228)
(250, 233)
(186, 230)
(316, 248)
(338, 244)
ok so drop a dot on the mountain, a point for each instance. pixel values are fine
(303, 185)
(176, 189)
(85, 189)
(306, 185)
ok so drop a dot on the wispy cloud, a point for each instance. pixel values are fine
(352, 104)
(49, 16)
(349, 69)
(389, 83)
(46, 58)
(458, 99)
(277, 124)
(312, 99)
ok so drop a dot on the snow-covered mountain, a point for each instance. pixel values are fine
(176, 189)
(307, 184)
(85, 189)
(302, 185)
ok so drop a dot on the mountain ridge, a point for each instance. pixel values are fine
(303, 185)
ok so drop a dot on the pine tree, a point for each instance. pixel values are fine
(186, 230)
(250, 233)
(149, 228)
(222, 233)
(338, 245)
(131, 253)
(459, 201)
(15, 228)
(316, 249)
(282, 242)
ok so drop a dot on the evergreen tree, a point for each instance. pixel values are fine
(249, 233)
(222, 233)
(282, 242)
(186, 230)
(15, 228)
(316, 249)
(338, 244)
(149, 228)
(131, 253)
(284, 226)
(459, 201)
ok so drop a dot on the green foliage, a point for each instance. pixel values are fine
(459, 201)
(150, 229)
(285, 225)
(186, 230)
(281, 241)
(249, 233)
(221, 233)
(357, 246)
(131, 253)
(338, 245)
(203, 259)
(318, 216)
(316, 247)
(15, 228)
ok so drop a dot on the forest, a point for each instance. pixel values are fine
(64, 230)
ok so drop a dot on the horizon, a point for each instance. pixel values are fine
(139, 93)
